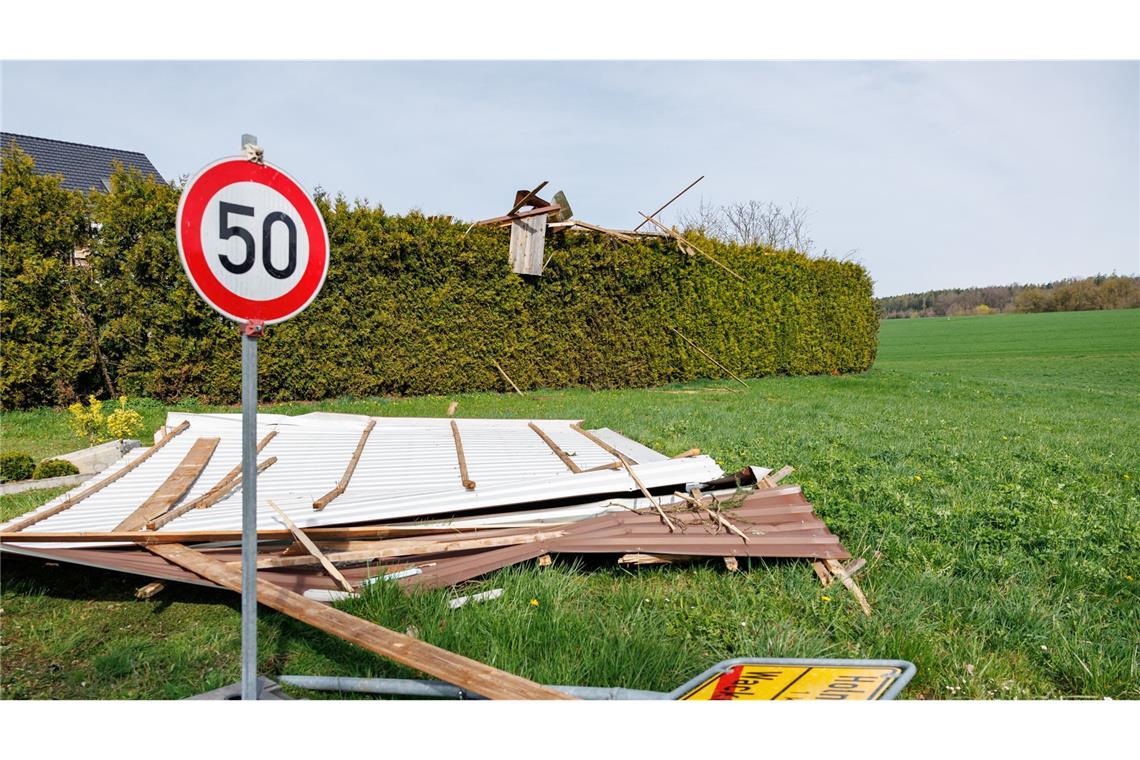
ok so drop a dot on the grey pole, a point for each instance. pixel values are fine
(249, 335)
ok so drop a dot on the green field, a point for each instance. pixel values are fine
(987, 468)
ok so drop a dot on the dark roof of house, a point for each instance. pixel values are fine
(84, 167)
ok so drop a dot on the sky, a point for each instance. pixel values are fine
(931, 175)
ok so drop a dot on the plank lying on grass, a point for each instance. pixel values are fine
(454, 668)
(43, 514)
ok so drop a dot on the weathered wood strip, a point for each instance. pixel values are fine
(175, 486)
(224, 488)
(468, 483)
(305, 541)
(566, 460)
(323, 502)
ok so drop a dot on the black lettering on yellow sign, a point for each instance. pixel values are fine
(783, 682)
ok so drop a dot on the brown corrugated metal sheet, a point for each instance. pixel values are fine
(779, 523)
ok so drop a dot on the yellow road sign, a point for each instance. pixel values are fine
(770, 681)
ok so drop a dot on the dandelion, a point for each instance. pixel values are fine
(533, 602)
(918, 477)
(1127, 578)
(825, 598)
(1127, 476)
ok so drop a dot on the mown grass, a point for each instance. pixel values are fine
(986, 467)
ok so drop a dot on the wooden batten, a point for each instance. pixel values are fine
(324, 501)
(175, 486)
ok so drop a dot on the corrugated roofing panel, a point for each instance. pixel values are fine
(408, 469)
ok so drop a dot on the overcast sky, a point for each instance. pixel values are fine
(934, 174)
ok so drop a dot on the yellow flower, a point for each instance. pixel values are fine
(918, 477)
(826, 598)
(1127, 476)
(533, 602)
(1128, 577)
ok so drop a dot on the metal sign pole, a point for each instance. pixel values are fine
(249, 335)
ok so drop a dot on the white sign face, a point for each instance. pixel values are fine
(252, 241)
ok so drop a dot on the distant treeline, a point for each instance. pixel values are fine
(1088, 294)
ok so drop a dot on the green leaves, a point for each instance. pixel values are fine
(411, 305)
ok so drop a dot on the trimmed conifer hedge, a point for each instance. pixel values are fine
(412, 305)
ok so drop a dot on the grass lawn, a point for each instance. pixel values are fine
(988, 469)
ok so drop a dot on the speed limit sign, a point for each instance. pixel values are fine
(252, 241)
(255, 247)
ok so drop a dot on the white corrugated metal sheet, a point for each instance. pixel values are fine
(408, 469)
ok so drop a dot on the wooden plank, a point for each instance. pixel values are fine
(175, 486)
(604, 230)
(455, 669)
(323, 502)
(451, 408)
(506, 377)
(687, 454)
(528, 242)
(708, 356)
(686, 244)
(566, 460)
(638, 558)
(35, 517)
(645, 492)
(577, 426)
(221, 490)
(525, 197)
(780, 474)
(731, 564)
(837, 570)
(821, 572)
(854, 566)
(149, 590)
(409, 548)
(305, 541)
(670, 201)
(543, 211)
(468, 483)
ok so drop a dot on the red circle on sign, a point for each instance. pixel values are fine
(191, 209)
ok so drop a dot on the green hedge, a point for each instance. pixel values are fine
(411, 305)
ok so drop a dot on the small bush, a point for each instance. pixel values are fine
(16, 465)
(88, 421)
(124, 422)
(54, 468)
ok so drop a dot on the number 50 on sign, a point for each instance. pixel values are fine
(252, 241)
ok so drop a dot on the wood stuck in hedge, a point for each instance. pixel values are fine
(413, 306)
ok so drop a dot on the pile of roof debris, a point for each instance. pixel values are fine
(348, 500)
